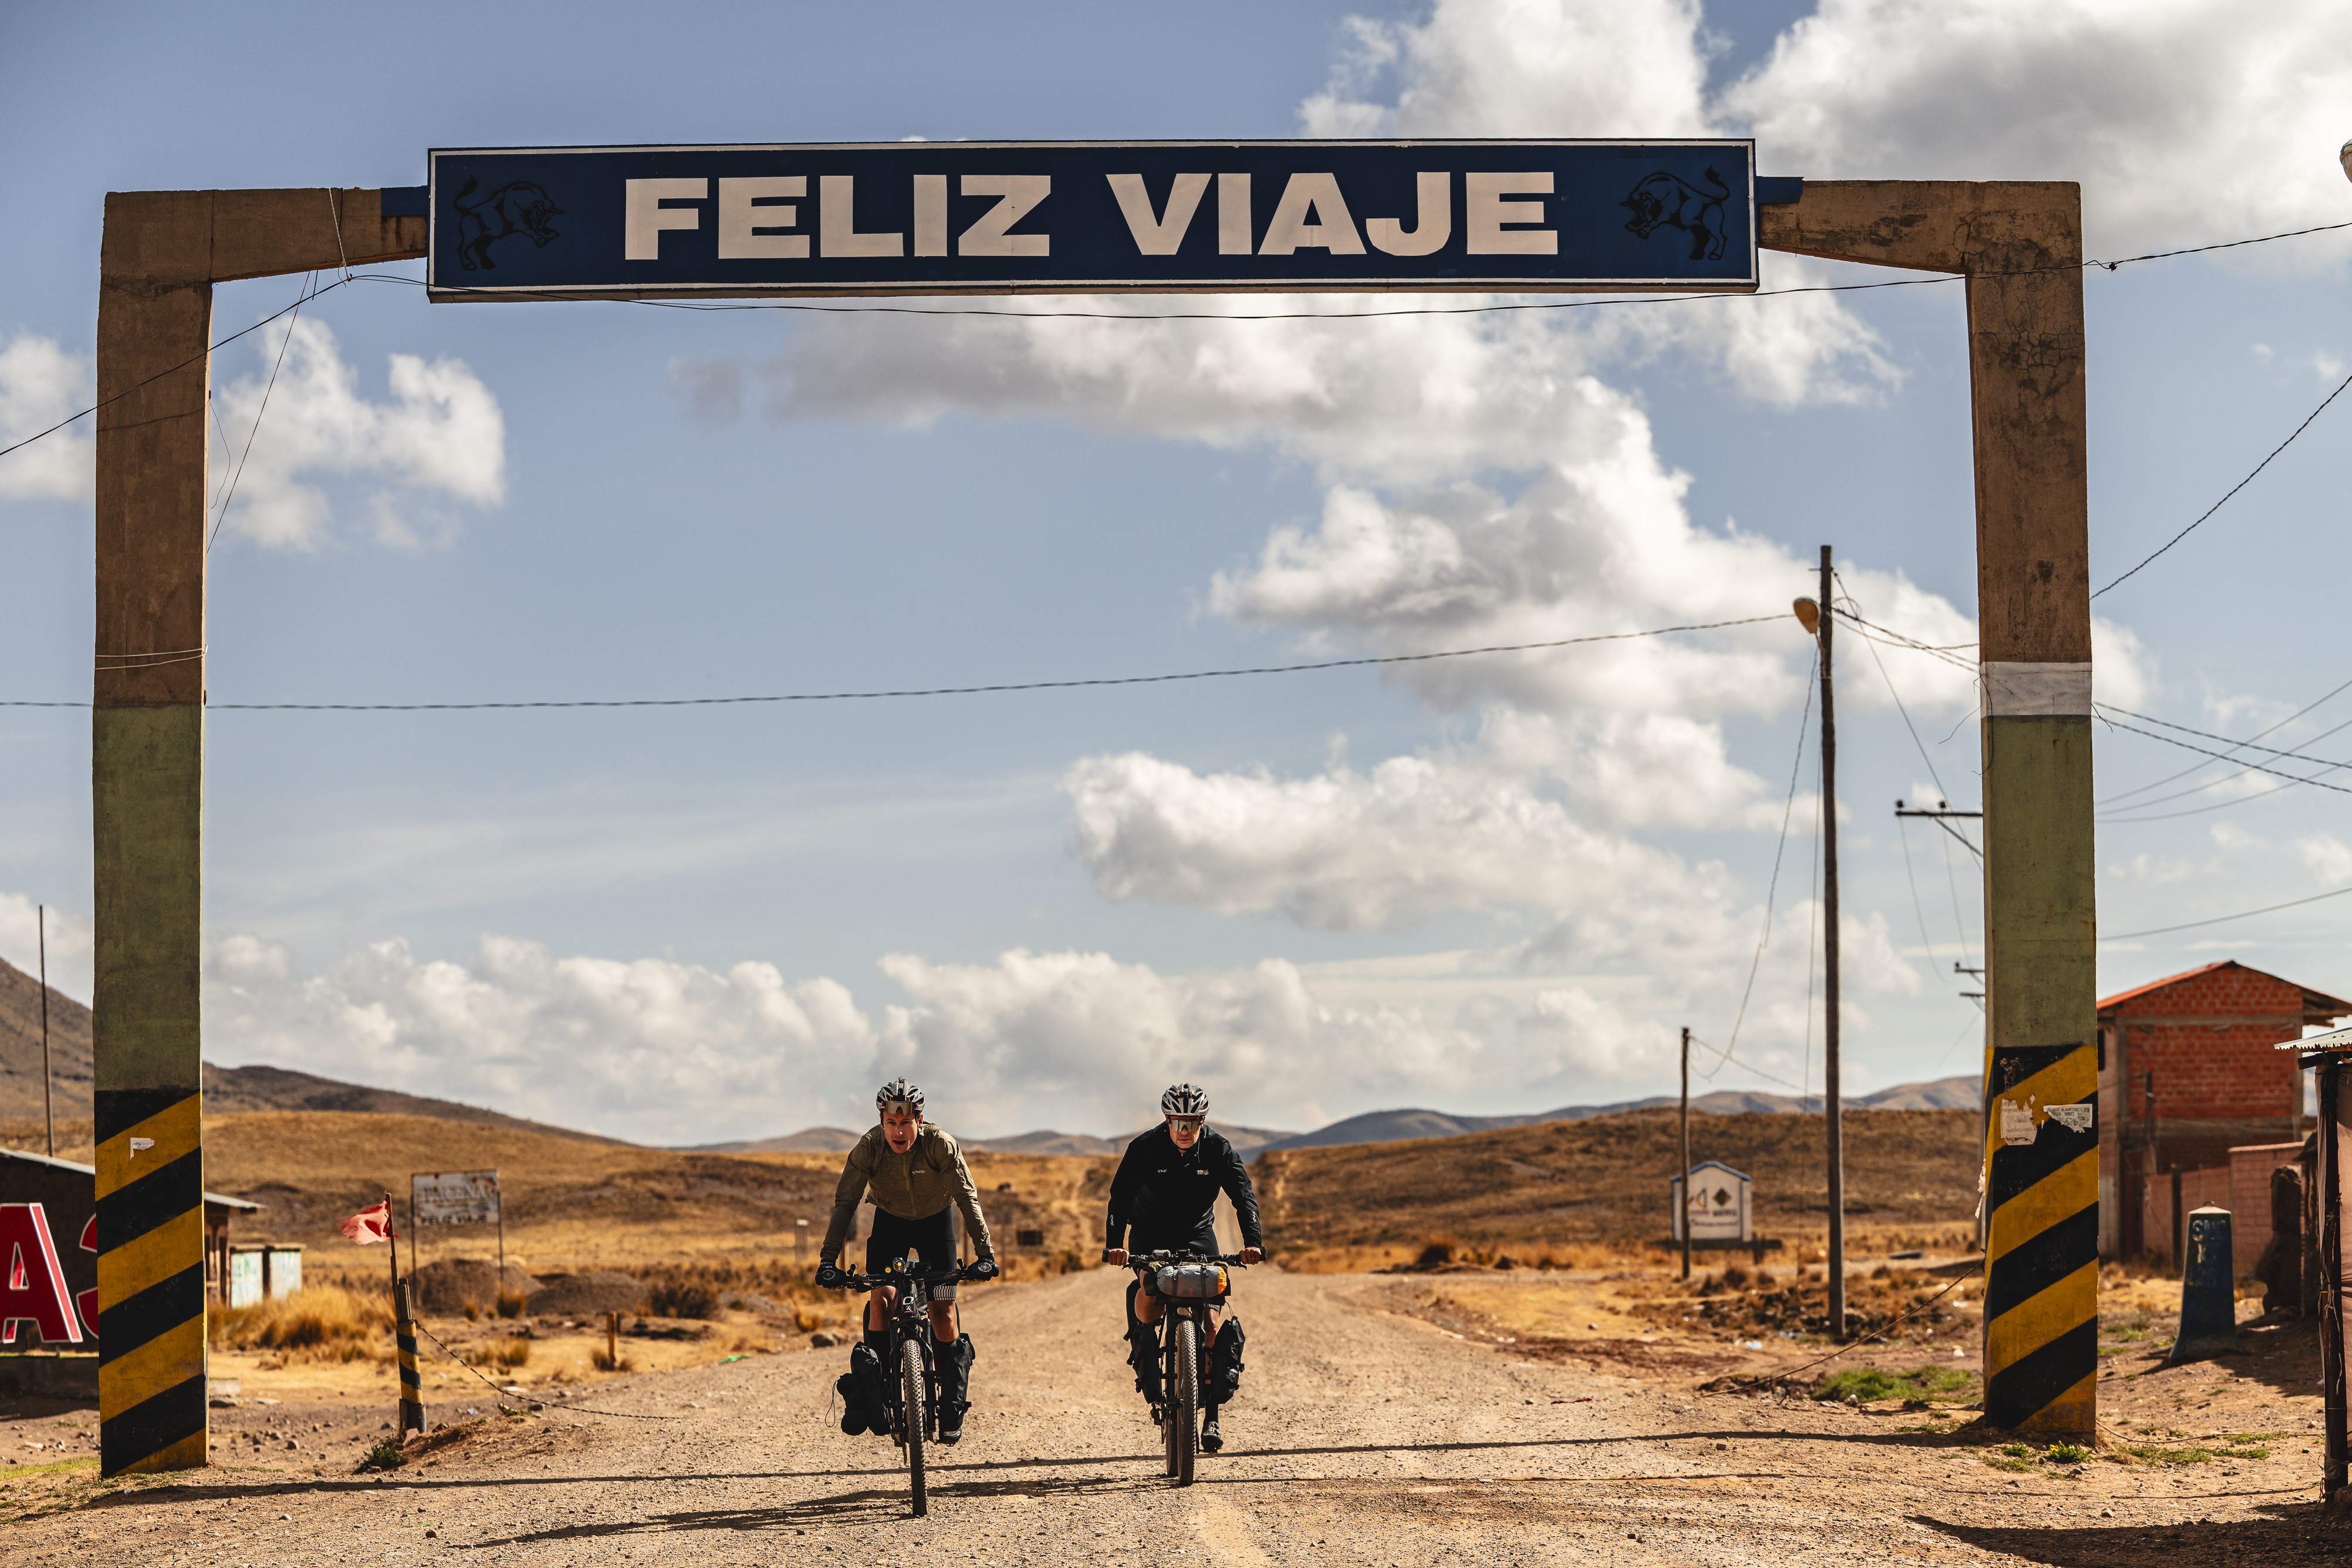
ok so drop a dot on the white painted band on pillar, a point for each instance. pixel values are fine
(2036, 691)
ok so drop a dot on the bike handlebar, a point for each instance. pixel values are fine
(1163, 1254)
(911, 1276)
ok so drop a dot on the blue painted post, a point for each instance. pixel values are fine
(2208, 1291)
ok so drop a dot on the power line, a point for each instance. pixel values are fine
(2240, 485)
(159, 375)
(284, 343)
(1796, 770)
(1746, 1067)
(1374, 315)
(2185, 746)
(2194, 767)
(956, 691)
(2223, 919)
(350, 276)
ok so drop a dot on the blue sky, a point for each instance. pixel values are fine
(1488, 885)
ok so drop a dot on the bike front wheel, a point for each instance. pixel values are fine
(910, 1392)
(1184, 1422)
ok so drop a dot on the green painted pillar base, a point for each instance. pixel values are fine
(147, 767)
(2041, 1164)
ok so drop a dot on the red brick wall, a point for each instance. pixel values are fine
(2202, 1072)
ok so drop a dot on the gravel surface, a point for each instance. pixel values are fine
(1364, 1435)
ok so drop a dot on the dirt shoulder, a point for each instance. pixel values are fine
(1367, 1432)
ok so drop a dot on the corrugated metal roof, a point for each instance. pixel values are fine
(247, 1205)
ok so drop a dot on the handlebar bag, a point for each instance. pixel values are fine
(1189, 1282)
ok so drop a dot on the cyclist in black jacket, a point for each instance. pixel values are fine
(1163, 1197)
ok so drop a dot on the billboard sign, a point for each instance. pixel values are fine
(454, 1197)
(1014, 217)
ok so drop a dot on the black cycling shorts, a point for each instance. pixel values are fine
(932, 1240)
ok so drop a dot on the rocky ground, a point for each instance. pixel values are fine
(1379, 1425)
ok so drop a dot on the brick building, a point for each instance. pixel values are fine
(2188, 1071)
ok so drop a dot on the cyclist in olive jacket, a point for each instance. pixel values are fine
(915, 1172)
(1164, 1196)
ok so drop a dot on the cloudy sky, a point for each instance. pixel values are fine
(1488, 884)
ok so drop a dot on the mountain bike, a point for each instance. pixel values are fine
(1187, 1285)
(910, 1374)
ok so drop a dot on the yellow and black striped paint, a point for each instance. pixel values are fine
(2041, 1254)
(150, 1280)
(412, 1384)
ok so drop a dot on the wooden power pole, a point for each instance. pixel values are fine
(1830, 1106)
(1687, 1168)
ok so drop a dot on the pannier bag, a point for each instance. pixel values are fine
(1190, 1281)
(1226, 1362)
(861, 1393)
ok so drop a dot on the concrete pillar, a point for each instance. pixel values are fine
(2019, 246)
(161, 255)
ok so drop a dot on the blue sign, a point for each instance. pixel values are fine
(1019, 217)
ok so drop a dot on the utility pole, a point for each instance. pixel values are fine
(1686, 1176)
(48, 1105)
(1829, 1103)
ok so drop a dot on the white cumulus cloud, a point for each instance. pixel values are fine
(41, 382)
(649, 1049)
(441, 437)
(2184, 121)
(70, 954)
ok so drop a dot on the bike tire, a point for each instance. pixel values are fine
(910, 1363)
(1184, 1404)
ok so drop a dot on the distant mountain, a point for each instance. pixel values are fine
(232, 1088)
(1245, 1140)
(832, 1140)
(1396, 1126)
(807, 1141)
(20, 1049)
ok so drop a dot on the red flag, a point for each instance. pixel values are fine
(370, 1225)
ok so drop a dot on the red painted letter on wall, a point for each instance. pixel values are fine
(33, 1290)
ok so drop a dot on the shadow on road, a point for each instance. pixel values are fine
(2294, 1534)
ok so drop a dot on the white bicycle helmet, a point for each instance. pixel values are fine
(1184, 1100)
(899, 1097)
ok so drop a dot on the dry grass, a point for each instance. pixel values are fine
(511, 1353)
(320, 1322)
(1598, 1188)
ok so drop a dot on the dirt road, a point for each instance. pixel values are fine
(1364, 1436)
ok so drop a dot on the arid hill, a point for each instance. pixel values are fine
(575, 1202)
(1604, 1179)
(20, 1050)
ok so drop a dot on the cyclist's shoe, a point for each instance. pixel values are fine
(951, 1420)
(853, 1405)
(1210, 1439)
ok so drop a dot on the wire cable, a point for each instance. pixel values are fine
(159, 375)
(2225, 919)
(1941, 793)
(283, 344)
(1745, 1066)
(350, 276)
(2185, 746)
(2194, 767)
(2240, 485)
(1796, 770)
(960, 691)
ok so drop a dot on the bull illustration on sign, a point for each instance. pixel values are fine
(517, 207)
(1668, 201)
